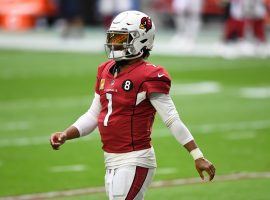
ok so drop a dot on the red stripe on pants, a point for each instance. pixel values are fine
(139, 178)
(234, 29)
(259, 29)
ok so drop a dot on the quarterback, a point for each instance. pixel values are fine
(128, 93)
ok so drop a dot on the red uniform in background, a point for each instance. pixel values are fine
(245, 14)
(126, 117)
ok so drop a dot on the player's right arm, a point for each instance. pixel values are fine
(86, 123)
(83, 126)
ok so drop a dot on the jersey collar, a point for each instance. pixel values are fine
(127, 70)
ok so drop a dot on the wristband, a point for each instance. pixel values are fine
(196, 154)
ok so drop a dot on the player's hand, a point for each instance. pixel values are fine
(57, 139)
(202, 164)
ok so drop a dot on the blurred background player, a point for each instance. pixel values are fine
(129, 91)
(245, 16)
(255, 14)
(235, 23)
(109, 9)
(245, 27)
(187, 19)
(183, 22)
(160, 10)
(71, 13)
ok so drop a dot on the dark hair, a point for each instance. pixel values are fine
(146, 53)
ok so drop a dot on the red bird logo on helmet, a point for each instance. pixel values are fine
(146, 23)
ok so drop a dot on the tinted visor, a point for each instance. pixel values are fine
(117, 40)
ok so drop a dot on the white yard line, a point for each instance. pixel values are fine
(156, 184)
(157, 133)
(230, 126)
(247, 135)
(43, 102)
(165, 171)
(24, 141)
(220, 178)
(68, 168)
(38, 140)
(195, 88)
(255, 92)
(13, 126)
(219, 128)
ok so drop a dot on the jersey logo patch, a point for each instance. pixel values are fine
(127, 85)
(101, 85)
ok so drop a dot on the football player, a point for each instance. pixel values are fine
(128, 93)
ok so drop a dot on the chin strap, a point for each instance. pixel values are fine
(129, 58)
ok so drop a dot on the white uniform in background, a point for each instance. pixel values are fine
(187, 18)
(112, 7)
(237, 9)
(254, 9)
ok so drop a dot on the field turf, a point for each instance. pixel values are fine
(225, 103)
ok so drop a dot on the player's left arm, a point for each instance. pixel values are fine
(201, 163)
(166, 109)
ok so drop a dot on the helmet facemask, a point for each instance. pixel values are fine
(120, 45)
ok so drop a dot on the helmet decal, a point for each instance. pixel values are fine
(146, 24)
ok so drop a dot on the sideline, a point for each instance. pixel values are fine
(156, 184)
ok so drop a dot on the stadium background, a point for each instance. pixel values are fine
(221, 89)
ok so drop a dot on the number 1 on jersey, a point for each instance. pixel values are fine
(106, 119)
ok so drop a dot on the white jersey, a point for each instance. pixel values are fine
(241, 9)
(254, 9)
(113, 6)
(191, 6)
(237, 9)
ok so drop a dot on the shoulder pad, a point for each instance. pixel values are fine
(156, 72)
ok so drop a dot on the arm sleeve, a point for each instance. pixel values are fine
(167, 111)
(89, 121)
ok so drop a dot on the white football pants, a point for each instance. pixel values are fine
(128, 182)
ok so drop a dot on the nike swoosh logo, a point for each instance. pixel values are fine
(160, 75)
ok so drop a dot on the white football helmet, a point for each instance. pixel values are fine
(129, 34)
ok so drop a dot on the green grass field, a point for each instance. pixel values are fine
(44, 92)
